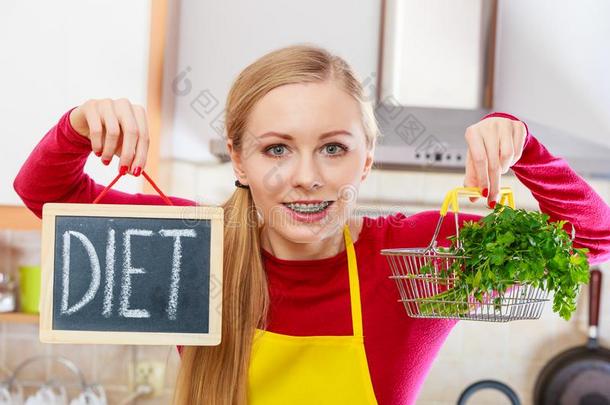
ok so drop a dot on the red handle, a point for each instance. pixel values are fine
(152, 183)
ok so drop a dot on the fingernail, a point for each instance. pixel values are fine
(98, 154)
(491, 204)
(123, 170)
(136, 171)
(485, 192)
(106, 161)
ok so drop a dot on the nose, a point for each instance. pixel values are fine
(307, 173)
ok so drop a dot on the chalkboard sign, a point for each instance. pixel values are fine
(131, 274)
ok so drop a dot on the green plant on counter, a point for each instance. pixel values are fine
(505, 247)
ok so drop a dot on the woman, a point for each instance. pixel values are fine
(309, 314)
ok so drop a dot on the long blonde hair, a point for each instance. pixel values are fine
(214, 375)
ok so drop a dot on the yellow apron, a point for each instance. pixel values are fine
(313, 370)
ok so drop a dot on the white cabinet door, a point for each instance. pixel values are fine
(55, 55)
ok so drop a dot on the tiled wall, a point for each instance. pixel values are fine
(513, 353)
(108, 365)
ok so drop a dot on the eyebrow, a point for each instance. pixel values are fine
(287, 136)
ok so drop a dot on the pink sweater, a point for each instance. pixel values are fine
(311, 297)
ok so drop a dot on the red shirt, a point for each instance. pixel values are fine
(311, 297)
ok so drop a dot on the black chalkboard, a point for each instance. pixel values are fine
(132, 277)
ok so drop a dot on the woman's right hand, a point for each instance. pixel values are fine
(115, 127)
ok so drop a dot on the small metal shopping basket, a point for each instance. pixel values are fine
(421, 291)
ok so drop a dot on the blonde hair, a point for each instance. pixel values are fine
(214, 375)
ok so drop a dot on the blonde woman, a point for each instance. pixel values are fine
(309, 313)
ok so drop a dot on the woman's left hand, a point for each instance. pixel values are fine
(494, 145)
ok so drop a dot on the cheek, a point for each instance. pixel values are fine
(266, 175)
(272, 181)
(346, 170)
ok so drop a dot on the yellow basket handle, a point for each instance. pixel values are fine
(506, 195)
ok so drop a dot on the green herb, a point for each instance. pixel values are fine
(509, 246)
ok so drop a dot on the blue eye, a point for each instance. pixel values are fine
(335, 145)
(275, 147)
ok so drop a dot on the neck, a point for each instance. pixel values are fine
(285, 249)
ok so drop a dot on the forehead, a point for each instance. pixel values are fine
(305, 108)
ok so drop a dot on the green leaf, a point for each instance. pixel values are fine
(506, 239)
(477, 279)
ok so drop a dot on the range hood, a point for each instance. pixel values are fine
(437, 72)
(432, 139)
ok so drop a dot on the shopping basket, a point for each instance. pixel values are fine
(421, 290)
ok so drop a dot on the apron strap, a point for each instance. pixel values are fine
(354, 285)
(152, 183)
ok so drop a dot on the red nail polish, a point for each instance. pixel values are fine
(106, 161)
(98, 154)
(136, 171)
(492, 204)
(485, 192)
(123, 170)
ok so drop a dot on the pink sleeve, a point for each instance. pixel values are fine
(53, 172)
(563, 194)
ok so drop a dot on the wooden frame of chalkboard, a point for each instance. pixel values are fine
(146, 275)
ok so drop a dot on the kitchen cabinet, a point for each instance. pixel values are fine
(18, 317)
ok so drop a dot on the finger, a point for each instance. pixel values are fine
(519, 135)
(492, 148)
(129, 129)
(506, 148)
(139, 160)
(470, 180)
(94, 122)
(112, 130)
(478, 155)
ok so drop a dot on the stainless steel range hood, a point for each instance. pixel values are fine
(437, 65)
(432, 139)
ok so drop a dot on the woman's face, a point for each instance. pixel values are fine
(304, 142)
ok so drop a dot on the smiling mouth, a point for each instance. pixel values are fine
(308, 208)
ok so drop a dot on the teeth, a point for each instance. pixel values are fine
(308, 208)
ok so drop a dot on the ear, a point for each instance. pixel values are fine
(368, 164)
(237, 163)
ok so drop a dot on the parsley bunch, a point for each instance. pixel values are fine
(509, 246)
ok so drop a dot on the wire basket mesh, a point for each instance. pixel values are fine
(427, 281)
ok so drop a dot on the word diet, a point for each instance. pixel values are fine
(127, 271)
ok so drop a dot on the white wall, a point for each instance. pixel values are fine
(218, 39)
(55, 55)
(553, 64)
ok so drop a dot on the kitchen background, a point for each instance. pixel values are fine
(433, 68)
